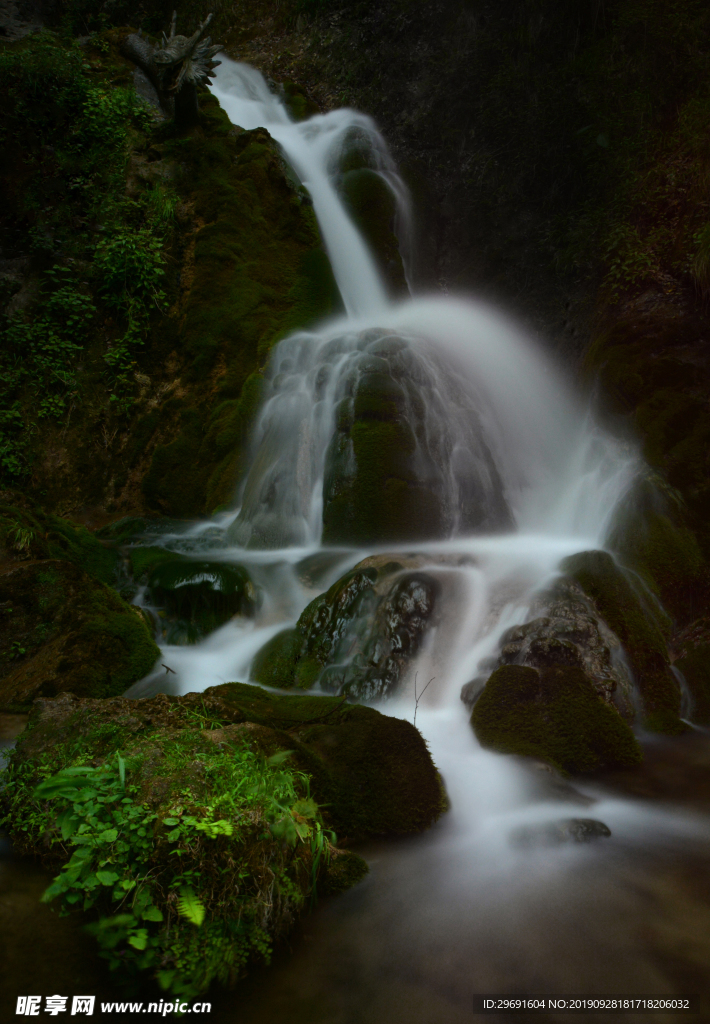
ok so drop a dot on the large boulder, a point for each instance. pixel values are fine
(62, 630)
(566, 629)
(358, 637)
(245, 786)
(641, 626)
(408, 459)
(199, 596)
(554, 715)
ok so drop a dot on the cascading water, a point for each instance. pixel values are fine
(507, 475)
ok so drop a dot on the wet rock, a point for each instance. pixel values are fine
(640, 624)
(691, 648)
(554, 833)
(554, 715)
(408, 459)
(357, 638)
(565, 629)
(198, 597)
(372, 206)
(61, 630)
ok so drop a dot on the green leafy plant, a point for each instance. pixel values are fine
(220, 866)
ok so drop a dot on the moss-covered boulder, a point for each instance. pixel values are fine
(564, 628)
(553, 715)
(373, 773)
(243, 786)
(198, 596)
(692, 658)
(61, 630)
(358, 637)
(408, 459)
(641, 626)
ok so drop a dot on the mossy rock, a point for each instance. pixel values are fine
(553, 715)
(692, 648)
(358, 637)
(640, 625)
(256, 271)
(372, 206)
(651, 536)
(199, 597)
(30, 533)
(180, 759)
(390, 472)
(145, 560)
(372, 773)
(61, 630)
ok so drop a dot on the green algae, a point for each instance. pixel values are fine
(639, 626)
(553, 715)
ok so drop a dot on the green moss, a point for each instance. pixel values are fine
(144, 561)
(554, 715)
(257, 271)
(275, 664)
(381, 500)
(639, 626)
(73, 633)
(372, 774)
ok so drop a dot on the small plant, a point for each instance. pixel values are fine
(17, 650)
(22, 538)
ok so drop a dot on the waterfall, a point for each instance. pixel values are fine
(503, 457)
(513, 474)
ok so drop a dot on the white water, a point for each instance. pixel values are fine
(491, 394)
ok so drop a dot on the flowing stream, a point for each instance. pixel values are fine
(522, 477)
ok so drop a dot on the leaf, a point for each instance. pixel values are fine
(121, 771)
(279, 757)
(107, 877)
(140, 939)
(109, 835)
(152, 914)
(189, 906)
(171, 821)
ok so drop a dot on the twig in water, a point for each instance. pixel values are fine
(168, 669)
(419, 697)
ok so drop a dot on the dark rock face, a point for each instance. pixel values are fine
(408, 459)
(554, 833)
(640, 625)
(198, 597)
(692, 658)
(601, 619)
(554, 715)
(565, 630)
(357, 638)
(62, 630)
